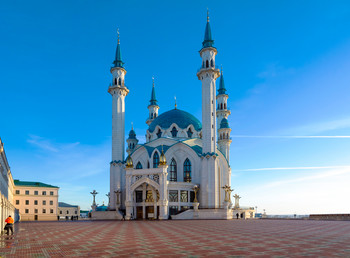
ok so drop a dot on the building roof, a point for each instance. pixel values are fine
(153, 100)
(208, 41)
(132, 134)
(222, 89)
(118, 56)
(182, 118)
(66, 205)
(32, 184)
(224, 123)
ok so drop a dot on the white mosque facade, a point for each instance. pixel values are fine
(183, 168)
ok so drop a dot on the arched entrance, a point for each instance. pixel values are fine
(146, 199)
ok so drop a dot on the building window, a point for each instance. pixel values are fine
(173, 171)
(139, 196)
(67, 212)
(173, 210)
(51, 210)
(35, 202)
(51, 192)
(17, 191)
(44, 210)
(207, 64)
(35, 210)
(191, 196)
(44, 202)
(159, 134)
(187, 171)
(27, 202)
(36, 192)
(138, 166)
(189, 133)
(44, 192)
(155, 159)
(60, 212)
(76, 212)
(148, 164)
(173, 196)
(27, 192)
(17, 202)
(174, 132)
(51, 202)
(184, 196)
(27, 210)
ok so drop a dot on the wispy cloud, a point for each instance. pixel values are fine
(290, 168)
(273, 70)
(41, 143)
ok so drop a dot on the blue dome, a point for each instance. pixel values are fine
(224, 123)
(102, 208)
(177, 116)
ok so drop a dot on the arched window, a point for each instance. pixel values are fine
(174, 132)
(189, 132)
(151, 115)
(207, 64)
(155, 160)
(187, 171)
(212, 63)
(221, 105)
(173, 171)
(115, 81)
(147, 164)
(159, 134)
(138, 166)
(227, 136)
(224, 105)
(120, 81)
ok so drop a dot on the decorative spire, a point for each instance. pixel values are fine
(132, 126)
(222, 89)
(118, 55)
(208, 41)
(175, 102)
(153, 100)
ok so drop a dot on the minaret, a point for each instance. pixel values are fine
(132, 141)
(153, 106)
(224, 140)
(208, 73)
(222, 110)
(118, 90)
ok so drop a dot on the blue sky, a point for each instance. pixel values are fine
(286, 67)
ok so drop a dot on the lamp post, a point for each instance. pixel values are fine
(195, 189)
(118, 193)
(109, 199)
(93, 206)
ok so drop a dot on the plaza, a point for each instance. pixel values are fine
(188, 238)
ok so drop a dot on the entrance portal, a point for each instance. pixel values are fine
(139, 213)
(150, 212)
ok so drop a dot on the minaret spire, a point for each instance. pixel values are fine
(208, 41)
(118, 54)
(153, 106)
(222, 89)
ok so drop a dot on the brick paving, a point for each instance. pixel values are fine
(235, 238)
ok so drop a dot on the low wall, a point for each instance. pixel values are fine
(204, 214)
(329, 216)
(106, 215)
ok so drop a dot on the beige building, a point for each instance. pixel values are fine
(65, 209)
(6, 189)
(35, 200)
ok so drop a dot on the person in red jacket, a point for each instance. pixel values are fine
(9, 225)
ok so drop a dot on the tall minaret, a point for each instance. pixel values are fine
(153, 106)
(222, 113)
(208, 73)
(118, 90)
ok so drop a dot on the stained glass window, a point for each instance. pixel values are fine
(184, 196)
(187, 171)
(174, 132)
(173, 171)
(173, 196)
(155, 160)
(138, 166)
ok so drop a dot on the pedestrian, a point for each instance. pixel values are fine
(9, 225)
(237, 215)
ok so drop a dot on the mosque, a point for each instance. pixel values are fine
(183, 169)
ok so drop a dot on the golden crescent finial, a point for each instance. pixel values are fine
(153, 81)
(132, 126)
(175, 102)
(118, 35)
(207, 14)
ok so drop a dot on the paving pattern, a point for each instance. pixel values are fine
(235, 238)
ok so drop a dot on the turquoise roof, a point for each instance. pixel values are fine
(222, 89)
(66, 205)
(118, 57)
(153, 100)
(182, 118)
(32, 184)
(208, 41)
(224, 123)
(132, 134)
(102, 208)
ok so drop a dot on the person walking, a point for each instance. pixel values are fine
(9, 225)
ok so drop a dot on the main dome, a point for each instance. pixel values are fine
(182, 118)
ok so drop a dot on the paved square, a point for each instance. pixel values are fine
(263, 238)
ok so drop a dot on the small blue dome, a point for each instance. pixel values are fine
(177, 116)
(224, 123)
(132, 134)
(101, 208)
